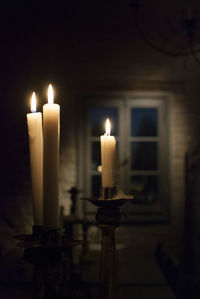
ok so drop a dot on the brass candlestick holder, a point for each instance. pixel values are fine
(108, 218)
(45, 250)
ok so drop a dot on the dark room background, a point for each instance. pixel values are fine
(100, 64)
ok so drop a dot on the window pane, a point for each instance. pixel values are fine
(144, 155)
(144, 122)
(98, 117)
(96, 155)
(96, 185)
(144, 189)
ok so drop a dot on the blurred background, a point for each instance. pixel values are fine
(138, 63)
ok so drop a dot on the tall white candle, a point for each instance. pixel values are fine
(51, 132)
(108, 153)
(34, 121)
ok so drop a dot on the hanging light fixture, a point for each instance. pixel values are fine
(172, 29)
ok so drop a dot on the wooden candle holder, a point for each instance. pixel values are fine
(108, 218)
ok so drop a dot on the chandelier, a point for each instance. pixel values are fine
(169, 28)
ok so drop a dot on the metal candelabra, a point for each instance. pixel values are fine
(45, 250)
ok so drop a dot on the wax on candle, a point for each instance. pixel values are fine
(108, 155)
(34, 121)
(51, 132)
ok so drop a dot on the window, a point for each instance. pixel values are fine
(140, 125)
(144, 143)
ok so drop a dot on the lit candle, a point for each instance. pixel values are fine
(34, 120)
(51, 132)
(108, 153)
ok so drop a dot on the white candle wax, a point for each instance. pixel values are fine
(51, 132)
(34, 121)
(108, 153)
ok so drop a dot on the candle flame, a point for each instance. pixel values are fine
(50, 94)
(107, 127)
(33, 103)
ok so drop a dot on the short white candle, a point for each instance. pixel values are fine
(51, 132)
(34, 121)
(108, 153)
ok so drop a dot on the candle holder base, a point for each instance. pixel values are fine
(37, 230)
(45, 250)
(108, 218)
(113, 193)
(107, 192)
(51, 238)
